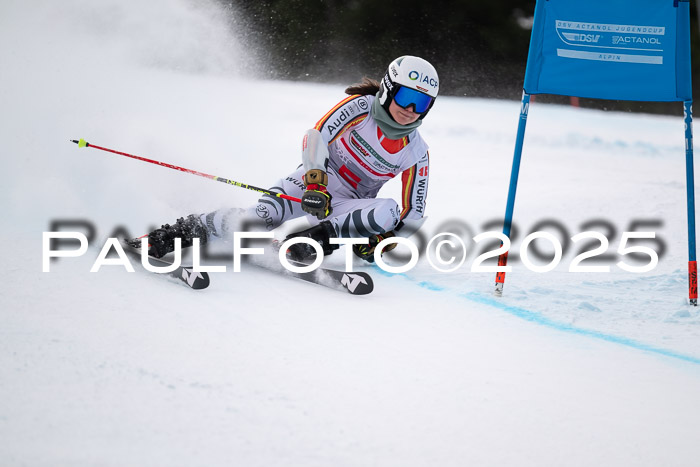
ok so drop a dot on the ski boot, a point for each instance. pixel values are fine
(162, 241)
(366, 252)
(322, 233)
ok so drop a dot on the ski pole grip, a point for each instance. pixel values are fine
(81, 143)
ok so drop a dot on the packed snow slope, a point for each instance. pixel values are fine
(118, 368)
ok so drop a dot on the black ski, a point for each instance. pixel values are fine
(356, 283)
(189, 277)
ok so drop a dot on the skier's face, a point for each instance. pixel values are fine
(403, 116)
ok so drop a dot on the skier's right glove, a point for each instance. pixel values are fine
(316, 200)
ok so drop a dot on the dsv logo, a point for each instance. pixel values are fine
(575, 37)
(421, 78)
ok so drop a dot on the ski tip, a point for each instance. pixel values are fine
(81, 142)
(357, 283)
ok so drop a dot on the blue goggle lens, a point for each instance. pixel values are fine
(407, 96)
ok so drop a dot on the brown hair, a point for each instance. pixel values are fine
(367, 87)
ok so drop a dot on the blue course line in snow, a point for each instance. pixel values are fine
(536, 318)
(431, 286)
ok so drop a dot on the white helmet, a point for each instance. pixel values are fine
(409, 81)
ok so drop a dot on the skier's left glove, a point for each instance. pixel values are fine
(366, 252)
(316, 200)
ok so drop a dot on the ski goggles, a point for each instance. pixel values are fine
(405, 97)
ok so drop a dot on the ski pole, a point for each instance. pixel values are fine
(84, 144)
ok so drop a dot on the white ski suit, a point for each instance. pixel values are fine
(360, 161)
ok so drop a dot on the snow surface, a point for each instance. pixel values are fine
(113, 368)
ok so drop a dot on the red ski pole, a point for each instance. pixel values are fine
(84, 144)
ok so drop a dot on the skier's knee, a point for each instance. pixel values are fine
(387, 214)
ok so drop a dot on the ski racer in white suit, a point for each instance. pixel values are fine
(364, 141)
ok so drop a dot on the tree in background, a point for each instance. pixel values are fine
(478, 47)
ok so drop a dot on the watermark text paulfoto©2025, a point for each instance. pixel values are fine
(446, 252)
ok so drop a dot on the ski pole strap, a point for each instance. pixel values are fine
(84, 144)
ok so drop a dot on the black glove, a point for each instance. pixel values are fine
(316, 200)
(366, 252)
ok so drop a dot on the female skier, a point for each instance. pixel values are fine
(364, 141)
